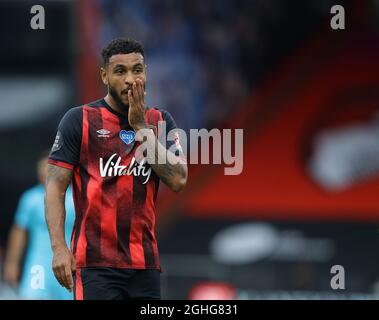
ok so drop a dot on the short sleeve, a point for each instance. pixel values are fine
(172, 138)
(65, 151)
(24, 211)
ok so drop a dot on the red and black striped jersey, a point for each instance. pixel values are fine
(114, 194)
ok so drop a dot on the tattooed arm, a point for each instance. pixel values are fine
(171, 169)
(173, 175)
(57, 182)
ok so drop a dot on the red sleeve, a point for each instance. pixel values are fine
(61, 164)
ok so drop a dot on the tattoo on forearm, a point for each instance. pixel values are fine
(165, 171)
(160, 162)
(58, 174)
(57, 182)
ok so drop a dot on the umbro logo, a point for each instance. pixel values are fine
(103, 133)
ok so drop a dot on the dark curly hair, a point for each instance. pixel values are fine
(121, 46)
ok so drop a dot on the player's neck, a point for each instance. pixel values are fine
(114, 105)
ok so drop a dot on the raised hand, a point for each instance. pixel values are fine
(136, 97)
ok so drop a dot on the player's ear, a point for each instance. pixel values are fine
(103, 75)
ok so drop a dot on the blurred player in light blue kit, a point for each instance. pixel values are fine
(29, 232)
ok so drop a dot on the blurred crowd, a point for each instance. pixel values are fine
(202, 56)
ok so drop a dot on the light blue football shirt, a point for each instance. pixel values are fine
(30, 216)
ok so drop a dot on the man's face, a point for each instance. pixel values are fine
(120, 73)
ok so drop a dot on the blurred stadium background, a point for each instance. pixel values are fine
(305, 95)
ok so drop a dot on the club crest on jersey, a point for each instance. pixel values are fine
(127, 136)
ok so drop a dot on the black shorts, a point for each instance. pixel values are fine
(116, 284)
